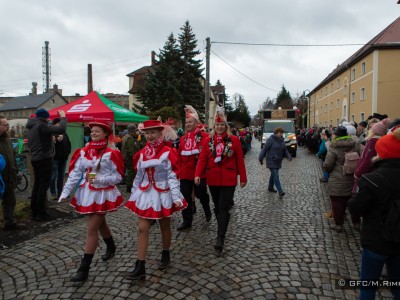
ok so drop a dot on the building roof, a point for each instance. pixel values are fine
(26, 102)
(142, 70)
(389, 38)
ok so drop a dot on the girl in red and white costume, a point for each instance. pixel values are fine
(155, 194)
(97, 193)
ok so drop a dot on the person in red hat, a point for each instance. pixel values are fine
(377, 200)
(96, 169)
(155, 195)
(222, 160)
(189, 151)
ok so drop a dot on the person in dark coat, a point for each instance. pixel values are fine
(275, 150)
(41, 149)
(374, 197)
(62, 147)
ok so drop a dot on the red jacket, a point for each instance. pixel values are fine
(187, 163)
(225, 172)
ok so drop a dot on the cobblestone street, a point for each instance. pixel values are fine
(274, 249)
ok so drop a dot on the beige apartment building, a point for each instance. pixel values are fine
(367, 82)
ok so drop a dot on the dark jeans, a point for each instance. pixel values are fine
(8, 203)
(57, 177)
(274, 179)
(42, 171)
(200, 191)
(371, 269)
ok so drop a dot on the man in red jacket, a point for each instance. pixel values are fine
(189, 151)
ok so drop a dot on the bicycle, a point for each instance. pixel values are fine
(22, 179)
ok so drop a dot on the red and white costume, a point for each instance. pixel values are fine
(102, 195)
(156, 186)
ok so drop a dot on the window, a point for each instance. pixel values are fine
(326, 91)
(353, 97)
(344, 110)
(345, 90)
(362, 94)
(337, 103)
(331, 105)
(332, 87)
(330, 124)
(326, 107)
(352, 118)
(362, 117)
(326, 124)
(338, 83)
(337, 122)
(363, 68)
(353, 74)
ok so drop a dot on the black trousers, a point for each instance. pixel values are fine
(200, 191)
(222, 197)
(42, 170)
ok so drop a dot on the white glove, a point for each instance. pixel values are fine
(178, 203)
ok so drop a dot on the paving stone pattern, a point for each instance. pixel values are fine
(275, 249)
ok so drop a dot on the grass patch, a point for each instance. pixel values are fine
(22, 210)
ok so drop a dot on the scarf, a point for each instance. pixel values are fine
(219, 143)
(95, 148)
(151, 149)
(192, 142)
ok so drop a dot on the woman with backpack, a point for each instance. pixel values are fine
(377, 200)
(340, 185)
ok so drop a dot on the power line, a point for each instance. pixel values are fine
(99, 67)
(287, 45)
(268, 88)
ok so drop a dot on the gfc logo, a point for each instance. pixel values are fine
(84, 106)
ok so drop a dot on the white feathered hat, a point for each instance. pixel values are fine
(219, 114)
(191, 113)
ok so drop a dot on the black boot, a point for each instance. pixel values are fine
(223, 221)
(165, 260)
(110, 251)
(83, 271)
(139, 272)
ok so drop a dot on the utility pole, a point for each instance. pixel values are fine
(207, 83)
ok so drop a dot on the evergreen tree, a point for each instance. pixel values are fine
(240, 115)
(161, 87)
(190, 70)
(284, 100)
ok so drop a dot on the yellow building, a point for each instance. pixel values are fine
(367, 82)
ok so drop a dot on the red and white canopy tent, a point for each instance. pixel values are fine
(94, 106)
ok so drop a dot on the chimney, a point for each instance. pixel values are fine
(90, 79)
(153, 58)
(56, 89)
(34, 88)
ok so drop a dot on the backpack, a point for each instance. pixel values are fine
(350, 162)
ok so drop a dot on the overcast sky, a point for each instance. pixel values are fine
(117, 36)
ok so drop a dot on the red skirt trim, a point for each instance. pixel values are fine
(150, 213)
(98, 208)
